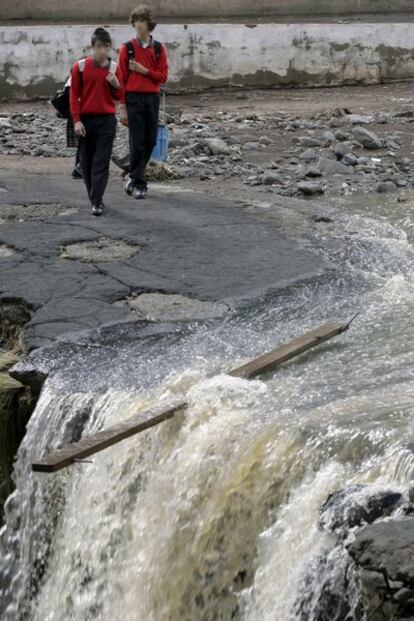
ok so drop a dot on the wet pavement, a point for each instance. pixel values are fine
(72, 270)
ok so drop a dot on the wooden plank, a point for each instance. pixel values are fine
(272, 360)
(144, 420)
(108, 437)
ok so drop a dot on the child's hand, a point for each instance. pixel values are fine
(80, 129)
(123, 115)
(113, 81)
(135, 66)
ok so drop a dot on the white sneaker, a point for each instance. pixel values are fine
(97, 210)
(129, 186)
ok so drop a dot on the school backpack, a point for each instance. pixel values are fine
(61, 100)
(131, 52)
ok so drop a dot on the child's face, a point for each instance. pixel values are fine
(101, 51)
(142, 29)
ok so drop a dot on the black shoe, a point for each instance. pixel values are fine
(76, 173)
(129, 186)
(140, 193)
(97, 210)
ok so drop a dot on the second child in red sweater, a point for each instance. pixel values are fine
(143, 67)
(93, 91)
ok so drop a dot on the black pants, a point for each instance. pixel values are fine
(77, 157)
(95, 151)
(143, 114)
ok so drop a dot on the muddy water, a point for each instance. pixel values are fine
(214, 515)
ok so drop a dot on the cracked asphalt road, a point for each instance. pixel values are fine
(189, 243)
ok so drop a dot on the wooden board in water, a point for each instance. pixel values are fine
(144, 420)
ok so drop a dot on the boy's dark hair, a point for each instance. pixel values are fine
(143, 13)
(102, 36)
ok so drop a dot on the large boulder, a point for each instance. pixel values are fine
(365, 569)
(367, 138)
(384, 556)
(356, 506)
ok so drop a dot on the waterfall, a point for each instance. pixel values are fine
(215, 514)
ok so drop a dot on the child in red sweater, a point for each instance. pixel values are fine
(143, 66)
(93, 92)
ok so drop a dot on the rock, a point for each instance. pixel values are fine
(360, 119)
(333, 167)
(265, 140)
(252, 146)
(328, 590)
(342, 148)
(18, 128)
(5, 123)
(328, 154)
(320, 218)
(329, 138)
(159, 171)
(386, 548)
(29, 375)
(404, 595)
(269, 178)
(349, 159)
(308, 141)
(386, 186)
(309, 188)
(177, 140)
(45, 151)
(217, 146)
(336, 122)
(341, 135)
(313, 172)
(367, 138)
(355, 506)
(364, 161)
(309, 155)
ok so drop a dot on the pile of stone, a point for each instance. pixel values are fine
(277, 153)
(369, 571)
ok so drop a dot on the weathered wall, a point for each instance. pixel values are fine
(34, 60)
(199, 9)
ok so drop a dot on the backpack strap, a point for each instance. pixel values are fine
(131, 52)
(157, 50)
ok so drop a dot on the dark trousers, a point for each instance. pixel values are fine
(143, 115)
(95, 151)
(77, 157)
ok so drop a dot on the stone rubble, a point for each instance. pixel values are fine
(204, 145)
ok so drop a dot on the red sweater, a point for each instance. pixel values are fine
(134, 82)
(90, 92)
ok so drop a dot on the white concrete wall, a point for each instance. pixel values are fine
(34, 60)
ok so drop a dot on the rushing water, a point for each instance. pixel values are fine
(214, 515)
